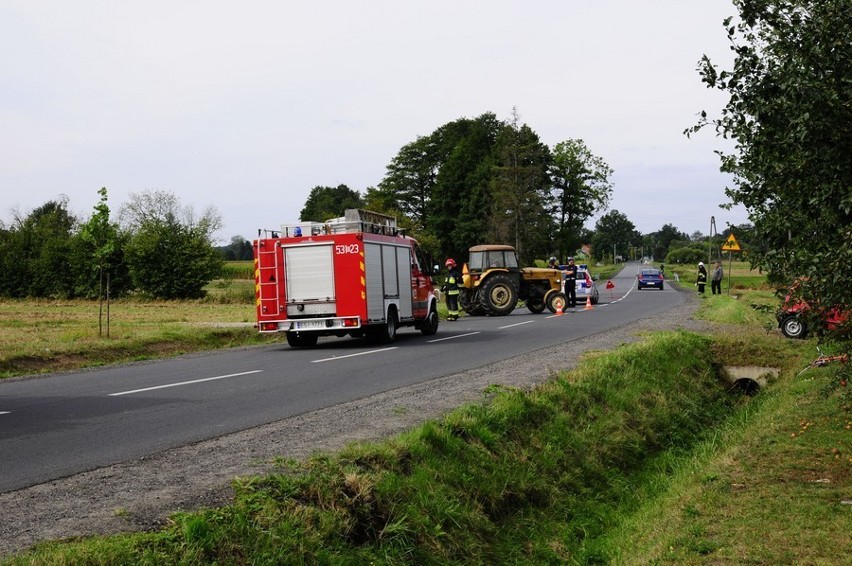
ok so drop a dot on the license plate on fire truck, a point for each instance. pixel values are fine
(309, 324)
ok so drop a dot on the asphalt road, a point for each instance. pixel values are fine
(57, 425)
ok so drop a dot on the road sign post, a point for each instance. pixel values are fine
(730, 246)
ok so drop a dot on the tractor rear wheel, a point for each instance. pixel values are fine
(498, 295)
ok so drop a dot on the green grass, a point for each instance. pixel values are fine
(738, 275)
(38, 336)
(768, 489)
(238, 270)
(748, 307)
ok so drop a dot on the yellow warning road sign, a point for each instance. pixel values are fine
(731, 244)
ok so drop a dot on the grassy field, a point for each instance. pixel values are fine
(738, 275)
(38, 336)
(639, 456)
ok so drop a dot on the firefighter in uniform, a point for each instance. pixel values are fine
(451, 288)
(570, 273)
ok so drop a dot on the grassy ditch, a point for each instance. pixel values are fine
(539, 476)
(770, 486)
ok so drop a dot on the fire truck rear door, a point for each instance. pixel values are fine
(310, 272)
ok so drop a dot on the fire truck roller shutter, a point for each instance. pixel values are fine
(403, 265)
(310, 273)
(390, 272)
(375, 283)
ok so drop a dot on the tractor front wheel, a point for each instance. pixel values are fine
(556, 301)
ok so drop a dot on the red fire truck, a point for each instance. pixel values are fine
(357, 275)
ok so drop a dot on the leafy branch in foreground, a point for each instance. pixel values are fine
(790, 114)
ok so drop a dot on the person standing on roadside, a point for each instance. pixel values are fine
(701, 281)
(716, 279)
(570, 274)
(451, 288)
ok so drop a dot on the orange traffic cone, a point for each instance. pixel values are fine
(588, 303)
(559, 309)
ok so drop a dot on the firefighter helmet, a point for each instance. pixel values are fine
(450, 262)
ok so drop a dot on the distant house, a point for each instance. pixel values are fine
(584, 252)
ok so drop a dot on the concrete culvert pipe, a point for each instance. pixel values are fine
(748, 379)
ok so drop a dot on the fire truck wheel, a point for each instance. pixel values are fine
(430, 324)
(384, 333)
(302, 339)
(499, 296)
(390, 326)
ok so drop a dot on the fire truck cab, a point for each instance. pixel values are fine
(357, 275)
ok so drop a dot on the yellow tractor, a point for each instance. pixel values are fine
(493, 283)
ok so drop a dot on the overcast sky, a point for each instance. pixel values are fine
(246, 106)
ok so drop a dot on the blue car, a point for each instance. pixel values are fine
(650, 278)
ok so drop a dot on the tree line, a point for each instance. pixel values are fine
(470, 181)
(157, 248)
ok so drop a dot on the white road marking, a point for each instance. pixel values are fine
(184, 383)
(353, 355)
(5, 412)
(453, 337)
(516, 324)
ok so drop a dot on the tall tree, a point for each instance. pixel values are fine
(581, 189)
(325, 203)
(410, 178)
(461, 199)
(170, 253)
(614, 236)
(13, 261)
(790, 114)
(658, 243)
(98, 255)
(35, 258)
(521, 191)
